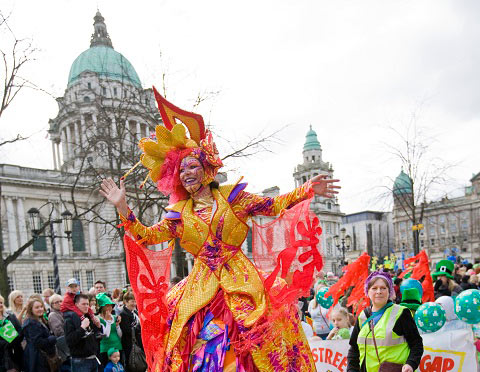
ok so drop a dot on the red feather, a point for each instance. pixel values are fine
(355, 276)
(420, 267)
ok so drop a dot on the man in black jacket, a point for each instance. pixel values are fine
(80, 337)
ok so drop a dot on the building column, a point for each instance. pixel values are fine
(126, 135)
(138, 133)
(59, 160)
(12, 226)
(189, 262)
(22, 225)
(92, 235)
(77, 137)
(54, 156)
(69, 142)
(173, 270)
(64, 144)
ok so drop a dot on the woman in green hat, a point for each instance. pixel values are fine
(111, 328)
(443, 277)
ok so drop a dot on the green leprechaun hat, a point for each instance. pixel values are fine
(411, 298)
(103, 299)
(444, 267)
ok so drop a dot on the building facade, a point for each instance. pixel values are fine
(451, 226)
(371, 232)
(101, 116)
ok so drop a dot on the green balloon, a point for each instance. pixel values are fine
(321, 300)
(430, 317)
(467, 306)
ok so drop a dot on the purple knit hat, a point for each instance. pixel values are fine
(386, 277)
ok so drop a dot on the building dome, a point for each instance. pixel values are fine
(311, 142)
(106, 62)
(402, 184)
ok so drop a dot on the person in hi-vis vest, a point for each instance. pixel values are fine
(395, 336)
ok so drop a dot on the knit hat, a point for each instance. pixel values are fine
(444, 267)
(411, 298)
(103, 299)
(111, 351)
(385, 276)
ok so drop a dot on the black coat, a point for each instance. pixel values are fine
(39, 341)
(11, 354)
(81, 343)
(126, 325)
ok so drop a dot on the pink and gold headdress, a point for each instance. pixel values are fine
(162, 155)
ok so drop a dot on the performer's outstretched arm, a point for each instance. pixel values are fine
(150, 235)
(266, 206)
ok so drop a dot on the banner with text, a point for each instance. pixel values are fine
(451, 351)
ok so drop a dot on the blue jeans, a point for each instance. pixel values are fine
(84, 365)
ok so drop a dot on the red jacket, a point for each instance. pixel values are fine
(68, 304)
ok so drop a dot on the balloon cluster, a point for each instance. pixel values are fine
(467, 306)
(430, 317)
(323, 301)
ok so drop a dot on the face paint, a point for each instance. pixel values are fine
(191, 174)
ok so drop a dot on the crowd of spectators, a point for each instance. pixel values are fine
(92, 331)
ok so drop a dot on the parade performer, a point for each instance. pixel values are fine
(385, 336)
(226, 315)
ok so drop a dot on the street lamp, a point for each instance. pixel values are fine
(36, 225)
(344, 241)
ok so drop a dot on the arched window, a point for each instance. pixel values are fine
(78, 238)
(86, 99)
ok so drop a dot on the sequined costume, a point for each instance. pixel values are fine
(227, 315)
(223, 274)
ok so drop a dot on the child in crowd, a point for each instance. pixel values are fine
(114, 365)
(342, 322)
(318, 314)
(68, 303)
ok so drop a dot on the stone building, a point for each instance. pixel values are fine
(451, 226)
(101, 116)
(371, 232)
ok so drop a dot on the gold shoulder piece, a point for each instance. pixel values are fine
(225, 190)
(177, 207)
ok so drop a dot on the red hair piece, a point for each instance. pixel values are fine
(419, 267)
(355, 276)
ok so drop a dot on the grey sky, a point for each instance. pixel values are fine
(350, 69)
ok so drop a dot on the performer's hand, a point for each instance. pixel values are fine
(324, 186)
(115, 195)
(407, 368)
(96, 321)
(119, 319)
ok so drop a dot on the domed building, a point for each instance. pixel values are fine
(101, 116)
(326, 209)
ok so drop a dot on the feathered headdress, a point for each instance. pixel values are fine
(162, 155)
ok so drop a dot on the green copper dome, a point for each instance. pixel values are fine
(106, 62)
(402, 184)
(311, 142)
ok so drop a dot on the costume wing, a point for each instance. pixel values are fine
(149, 274)
(288, 248)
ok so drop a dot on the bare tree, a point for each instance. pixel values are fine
(16, 54)
(424, 174)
